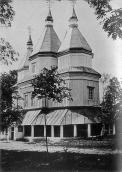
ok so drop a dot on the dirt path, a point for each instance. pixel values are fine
(26, 146)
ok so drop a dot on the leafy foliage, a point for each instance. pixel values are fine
(7, 81)
(8, 114)
(113, 24)
(101, 7)
(9, 117)
(111, 101)
(48, 84)
(111, 18)
(104, 80)
(7, 53)
(6, 12)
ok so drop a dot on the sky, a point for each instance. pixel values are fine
(107, 52)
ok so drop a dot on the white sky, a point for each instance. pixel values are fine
(107, 53)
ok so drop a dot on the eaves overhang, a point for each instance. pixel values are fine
(23, 68)
(44, 54)
(81, 69)
(24, 82)
(75, 50)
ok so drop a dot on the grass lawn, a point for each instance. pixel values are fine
(22, 161)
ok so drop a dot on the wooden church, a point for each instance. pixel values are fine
(73, 57)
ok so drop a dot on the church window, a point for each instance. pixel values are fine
(20, 128)
(26, 100)
(33, 67)
(90, 93)
(32, 101)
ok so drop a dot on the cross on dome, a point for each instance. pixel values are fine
(29, 30)
(73, 2)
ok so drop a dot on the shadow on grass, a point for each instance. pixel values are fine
(19, 161)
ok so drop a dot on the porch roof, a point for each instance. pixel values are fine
(62, 117)
(30, 117)
(66, 117)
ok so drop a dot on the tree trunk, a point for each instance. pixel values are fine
(45, 113)
(103, 130)
(46, 133)
(7, 135)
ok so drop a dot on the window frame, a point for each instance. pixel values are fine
(20, 128)
(90, 93)
(33, 103)
(33, 67)
(26, 100)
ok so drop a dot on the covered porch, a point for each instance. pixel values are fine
(60, 123)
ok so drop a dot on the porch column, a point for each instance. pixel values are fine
(23, 131)
(61, 131)
(32, 131)
(44, 131)
(52, 130)
(75, 130)
(89, 130)
(8, 134)
(114, 129)
(15, 132)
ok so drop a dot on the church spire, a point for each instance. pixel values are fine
(29, 42)
(29, 45)
(49, 18)
(74, 38)
(73, 19)
(50, 41)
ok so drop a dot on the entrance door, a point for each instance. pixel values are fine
(12, 133)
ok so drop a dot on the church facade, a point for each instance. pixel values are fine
(73, 57)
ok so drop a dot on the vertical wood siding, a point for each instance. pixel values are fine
(74, 59)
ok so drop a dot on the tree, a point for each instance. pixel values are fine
(111, 101)
(6, 12)
(50, 86)
(8, 113)
(7, 81)
(104, 80)
(7, 52)
(111, 19)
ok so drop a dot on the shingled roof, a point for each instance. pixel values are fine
(50, 41)
(73, 37)
(64, 116)
(25, 61)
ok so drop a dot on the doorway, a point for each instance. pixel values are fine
(12, 133)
